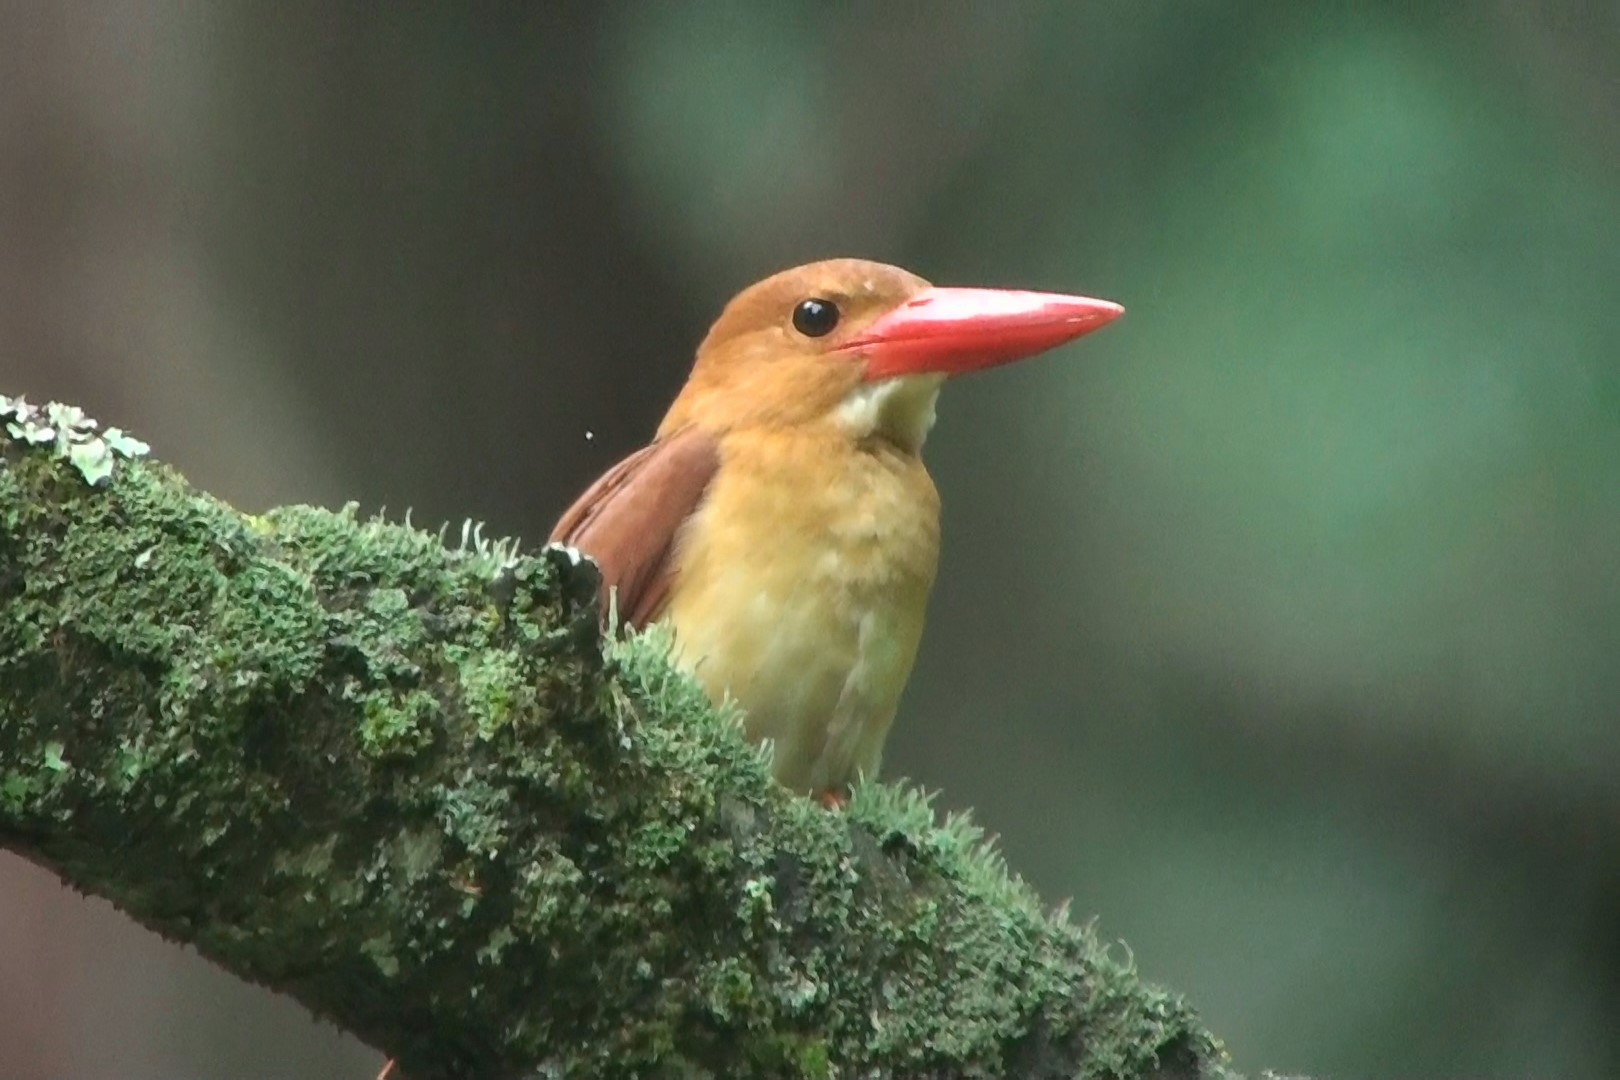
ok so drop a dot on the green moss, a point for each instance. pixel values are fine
(410, 785)
(17, 791)
(490, 688)
(380, 951)
(397, 726)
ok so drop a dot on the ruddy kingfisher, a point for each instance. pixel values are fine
(782, 522)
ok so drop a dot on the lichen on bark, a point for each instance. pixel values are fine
(412, 786)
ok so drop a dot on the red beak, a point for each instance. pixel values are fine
(954, 331)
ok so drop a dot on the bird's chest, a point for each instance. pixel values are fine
(800, 591)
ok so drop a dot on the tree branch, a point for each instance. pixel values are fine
(410, 786)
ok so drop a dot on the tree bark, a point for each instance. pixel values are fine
(414, 787)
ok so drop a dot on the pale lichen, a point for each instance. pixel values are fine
(71, 435)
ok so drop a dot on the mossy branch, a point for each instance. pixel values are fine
(410, 786)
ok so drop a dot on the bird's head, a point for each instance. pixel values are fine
(863, 346)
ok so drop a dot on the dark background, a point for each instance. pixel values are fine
(1279, 625)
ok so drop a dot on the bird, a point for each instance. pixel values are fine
(782, 523)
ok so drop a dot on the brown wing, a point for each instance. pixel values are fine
(628, 519)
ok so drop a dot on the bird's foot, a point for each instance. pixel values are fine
(387, 1069)
(834, 798)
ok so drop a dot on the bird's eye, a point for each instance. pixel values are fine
(815, 317)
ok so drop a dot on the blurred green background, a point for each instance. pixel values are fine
(1279, 626)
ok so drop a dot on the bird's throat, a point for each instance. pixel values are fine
(900, 410)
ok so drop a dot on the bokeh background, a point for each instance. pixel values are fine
(1278, 626)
